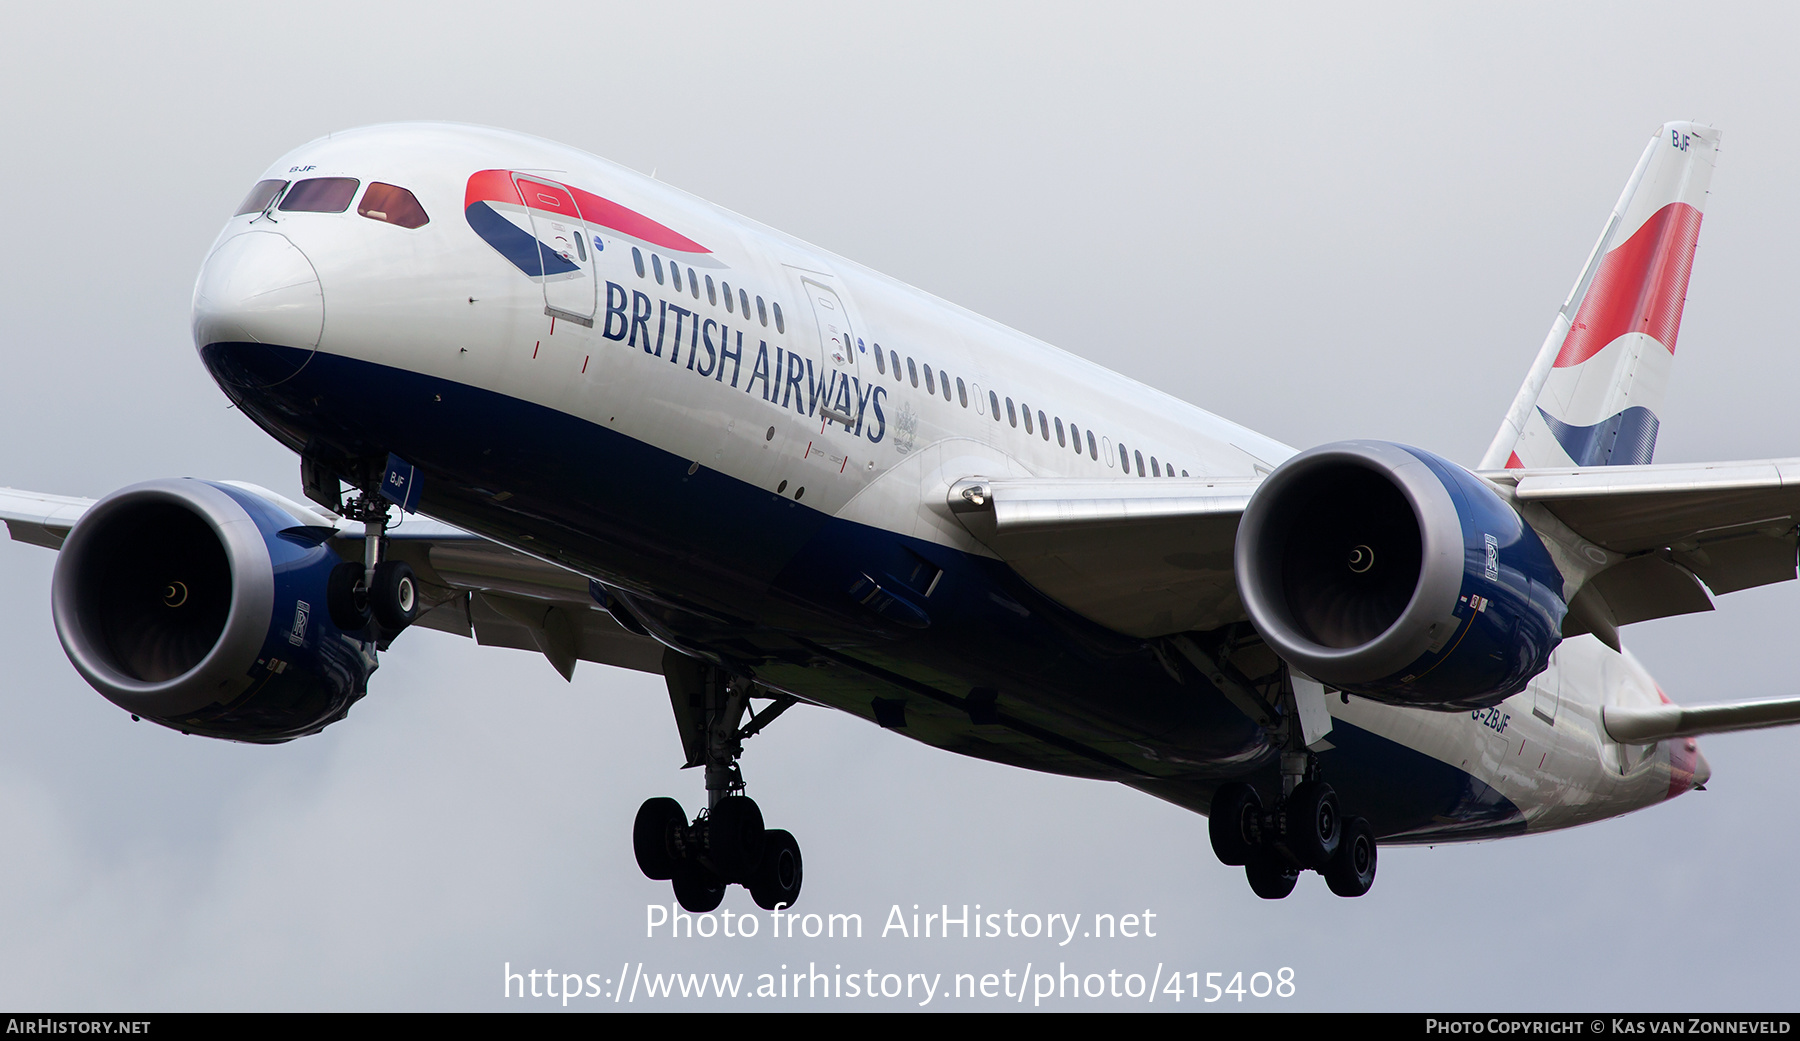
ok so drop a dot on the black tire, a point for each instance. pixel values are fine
(1270, 878)
(697, 889)
(650, 837)
(1312, 827)
(1351, 871)
(1233, 824)
(734, 838)
(776, 882)
(345, 599)
(394, 597)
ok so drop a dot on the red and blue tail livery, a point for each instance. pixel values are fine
(1603, 371)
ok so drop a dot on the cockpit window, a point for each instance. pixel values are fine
(260, 197)
(320, 195)
(394, 204)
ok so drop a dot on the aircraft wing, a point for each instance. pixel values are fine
(1728, 525)
(470, 586)
(1154, 557)
(1141, 556)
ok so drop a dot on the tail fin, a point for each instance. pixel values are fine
(1592, 395)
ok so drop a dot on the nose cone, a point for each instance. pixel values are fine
(258, 309)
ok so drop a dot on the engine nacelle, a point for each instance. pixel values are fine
(1390, 573)
(202, 607)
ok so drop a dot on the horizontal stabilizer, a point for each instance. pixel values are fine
(1639, 726)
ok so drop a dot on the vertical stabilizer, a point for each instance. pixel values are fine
(1592, 396)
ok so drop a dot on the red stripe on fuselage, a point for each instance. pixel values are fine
(491, 186)
(1640, 286)
(498, 186)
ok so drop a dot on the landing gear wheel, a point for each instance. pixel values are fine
(394, 597)
(1351, 871)
(1269, 877)
(697, 889)
(1313, 828)
(1233, 823)
(650, 837)
(776, 882)
(345, 599)
(734, 837)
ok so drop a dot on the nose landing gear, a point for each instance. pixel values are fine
(727, 843)
(378, 590)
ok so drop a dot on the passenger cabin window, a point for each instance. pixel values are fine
(894, 360)
(1027, 410)
(1043, 427)
(726, 288)
(880, 361)
(1061, 441)
(912, 370)
(261, 195)
(944, 382)
(744, 304)
(656, 265)
(780, 326)
(994, 405)
(762, 313)
(396, 205)
(637, 261)
(930, 385)
(675, 275)
(1093, 452)
(712, 292)
(962, 392)
(1140, 461)
(1155, 471)
(1012, 418)
(321, 195)
(693, 284)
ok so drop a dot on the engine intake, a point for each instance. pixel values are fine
(1391, 573)
(201, 606)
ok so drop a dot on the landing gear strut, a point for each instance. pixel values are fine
(377, 589)
(727, 843)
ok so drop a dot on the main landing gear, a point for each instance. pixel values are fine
(727, 843)
(1303, 831)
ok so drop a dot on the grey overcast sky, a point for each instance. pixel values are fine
(1323, 221)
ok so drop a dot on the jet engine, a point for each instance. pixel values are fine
(202, 607)
(1388, 572)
